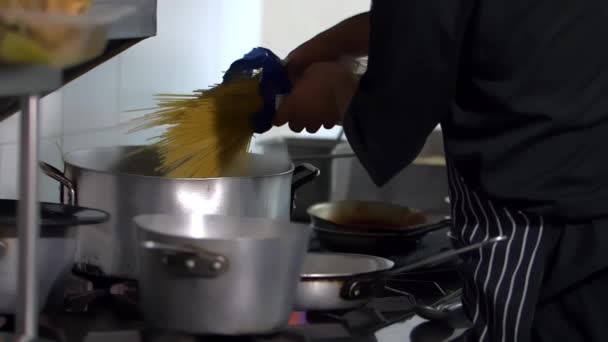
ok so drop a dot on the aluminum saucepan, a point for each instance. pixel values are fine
(335, 281)
(219, 274)
(55, 250)
(125, 182)
(368, 227)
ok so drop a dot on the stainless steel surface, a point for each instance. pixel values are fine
(189, 260)
(254, 296)
(295, 149)
(351, 290)
(325, 265)
(324, 295)
(441, 311)
(322, 282)
(138, 25)
(19, 80)
(28, 219)
(57, 175)
(125, 184)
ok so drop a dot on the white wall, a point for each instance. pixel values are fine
(196, 41)
(288, 23)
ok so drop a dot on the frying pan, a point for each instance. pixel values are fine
(336, 281)
(371, 227)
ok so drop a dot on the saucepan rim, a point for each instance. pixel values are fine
(66, 158)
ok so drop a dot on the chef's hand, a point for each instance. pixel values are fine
(319, 97)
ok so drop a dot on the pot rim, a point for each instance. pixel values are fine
(384, 265)
(66, 156)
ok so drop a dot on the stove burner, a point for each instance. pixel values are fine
(91, 289)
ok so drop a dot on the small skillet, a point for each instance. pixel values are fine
(372, 227)
(336, 281)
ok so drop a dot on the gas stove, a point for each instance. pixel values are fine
(101, 309)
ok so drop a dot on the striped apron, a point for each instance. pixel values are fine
(502, 282)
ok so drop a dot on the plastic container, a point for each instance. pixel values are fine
(56, 39)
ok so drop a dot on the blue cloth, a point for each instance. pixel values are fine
(274, 82)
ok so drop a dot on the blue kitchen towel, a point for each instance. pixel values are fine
(274, 82)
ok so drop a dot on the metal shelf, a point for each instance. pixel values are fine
(28, 83)
(25, 80)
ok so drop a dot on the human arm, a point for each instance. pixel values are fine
(349, 38)
(410, 82)
(409, 85)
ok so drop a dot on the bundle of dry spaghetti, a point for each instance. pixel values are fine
(208, 132)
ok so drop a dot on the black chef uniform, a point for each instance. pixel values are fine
(520, 88)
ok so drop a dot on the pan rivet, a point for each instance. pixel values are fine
(356, 292)
(216, 265)
(190, 263)
(165, 260)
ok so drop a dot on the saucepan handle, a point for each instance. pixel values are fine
(302, 174)
(189, 261)
(57, 175)
(358, 289)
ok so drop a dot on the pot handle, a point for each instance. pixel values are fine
(189, 261)
(310, 172)
(358, 289)
(57, 175)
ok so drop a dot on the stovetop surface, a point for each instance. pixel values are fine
(387, 318)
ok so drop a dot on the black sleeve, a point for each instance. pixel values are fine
(409, 83)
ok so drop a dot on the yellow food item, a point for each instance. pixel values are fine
(16, 48)
(73, 7)
(29, 40)
(50, 34)
(430, 160)
(209, 131)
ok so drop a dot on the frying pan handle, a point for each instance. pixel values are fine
(57, 175)
(429, 228)
(189, 261)
(446, 255)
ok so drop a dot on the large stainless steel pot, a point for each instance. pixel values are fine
(314, 151)
(217, 274)
(125, 184)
